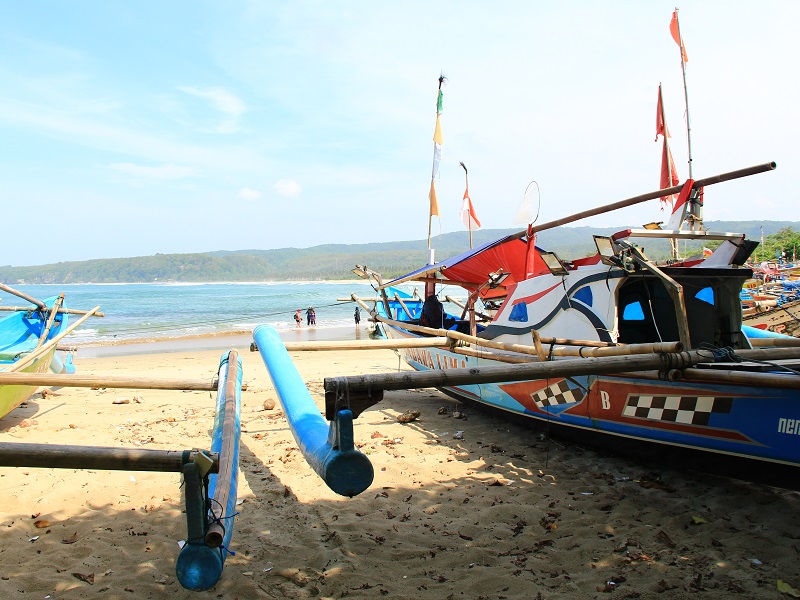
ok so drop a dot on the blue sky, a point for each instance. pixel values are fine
(150, 127)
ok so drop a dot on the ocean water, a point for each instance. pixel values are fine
(164, 311)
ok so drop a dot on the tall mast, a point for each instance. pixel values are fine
(437, 157)
(685, 89)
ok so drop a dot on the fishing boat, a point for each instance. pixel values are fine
(29, 338)
(614, 343)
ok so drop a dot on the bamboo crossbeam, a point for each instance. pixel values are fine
(68, 311)
(698, 183)
(403, 304)
(53, 312)
(45, 348)
(621, 350)
(105, 381)
(787, 381)
(61, 456)
(785, 342)
(368, 344)
(455, 335)
(23, 295)
(489, 355)
(539, 370)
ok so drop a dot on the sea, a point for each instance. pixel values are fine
(160, 311)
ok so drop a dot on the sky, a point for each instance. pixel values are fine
(137, 128)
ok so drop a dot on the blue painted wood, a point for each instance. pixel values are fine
(330, 451)
(199, 566)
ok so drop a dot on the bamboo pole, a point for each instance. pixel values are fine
(41, 350)
(368, 345)
(403, 304)
(621, 350)
(23, 295)
(68, 311)
(788, 381)
(61, 456)
(105, 381)
(523, 349)
(787, 342)
(489, 355)
(53, 312)
(539, 370)
(229, 450)
(698, 183)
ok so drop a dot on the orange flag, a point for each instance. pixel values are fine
(675, 30)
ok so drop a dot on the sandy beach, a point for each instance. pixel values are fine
(464, 504)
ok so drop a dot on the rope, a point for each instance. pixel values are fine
(727, 354)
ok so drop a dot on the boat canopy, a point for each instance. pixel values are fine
(471, 269)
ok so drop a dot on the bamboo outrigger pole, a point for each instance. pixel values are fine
(403, 380)
(23, 295)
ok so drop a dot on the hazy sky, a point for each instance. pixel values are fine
(135, 128)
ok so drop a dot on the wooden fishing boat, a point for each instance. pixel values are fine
(22, 335)
(613, 343)
(28, 342)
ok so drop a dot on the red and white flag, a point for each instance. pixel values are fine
(468, 216)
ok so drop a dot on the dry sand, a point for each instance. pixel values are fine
(502, 513)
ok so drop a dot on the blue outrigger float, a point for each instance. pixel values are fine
(614, 344)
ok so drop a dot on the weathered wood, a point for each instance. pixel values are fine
(61, 456)
(367, 344)
(106, 381)
(540, 370)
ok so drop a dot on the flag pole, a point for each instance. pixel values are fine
(437, 154)
(685, 92)
(469, 221)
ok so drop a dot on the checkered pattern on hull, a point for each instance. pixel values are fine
(558, 393)
(689, 410)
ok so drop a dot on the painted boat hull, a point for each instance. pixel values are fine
(742, 421)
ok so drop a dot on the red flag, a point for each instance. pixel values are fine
(675, 30)
(669, 173)
(661, 125)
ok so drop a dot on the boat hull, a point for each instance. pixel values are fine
(742, 421)
(12, 396)
(19, 336)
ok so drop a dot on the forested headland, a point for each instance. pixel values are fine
(335, 261)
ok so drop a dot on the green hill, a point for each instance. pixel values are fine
(330, 261)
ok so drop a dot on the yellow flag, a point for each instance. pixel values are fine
(434, 201)
(437, 133)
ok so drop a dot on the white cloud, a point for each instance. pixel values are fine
(249, 194)
(288, 187)
(222, 100)
(162, 172)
